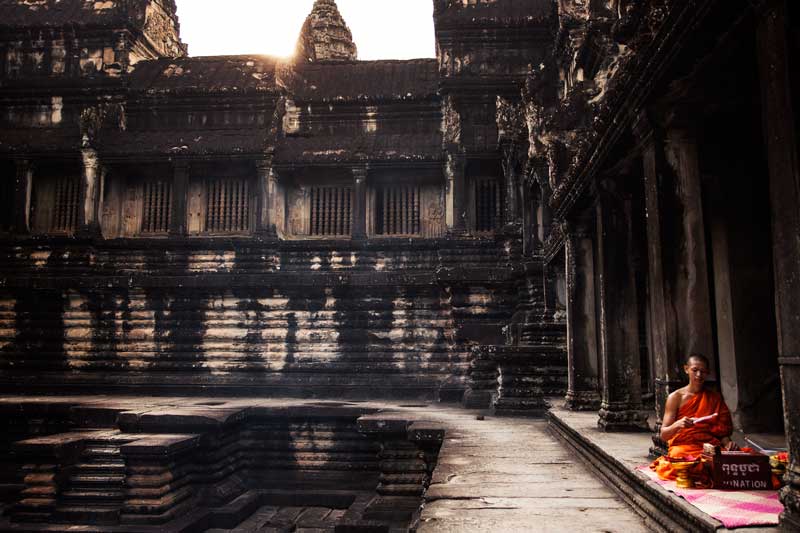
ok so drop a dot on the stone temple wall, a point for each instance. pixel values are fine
(297, 319)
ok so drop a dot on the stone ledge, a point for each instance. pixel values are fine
(615, 461)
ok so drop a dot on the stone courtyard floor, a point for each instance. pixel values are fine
(510, 474)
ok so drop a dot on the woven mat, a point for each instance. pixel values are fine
(739, 508)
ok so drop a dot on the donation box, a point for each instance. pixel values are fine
(738, 470)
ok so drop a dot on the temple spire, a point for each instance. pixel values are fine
(325, 35)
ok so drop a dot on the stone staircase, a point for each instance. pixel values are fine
(95, 490)
(193, 468)
(514, 379)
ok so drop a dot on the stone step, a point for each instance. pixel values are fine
(102, 465)
(80, 495)
(100, 451)
(87, 514)
(84, 480)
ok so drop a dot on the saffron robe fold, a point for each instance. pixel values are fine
(689, 441)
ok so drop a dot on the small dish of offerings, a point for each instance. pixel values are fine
(778, 463)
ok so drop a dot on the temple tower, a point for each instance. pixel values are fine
(325, 35)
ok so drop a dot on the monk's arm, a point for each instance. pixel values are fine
(723, 427)
(670, 426)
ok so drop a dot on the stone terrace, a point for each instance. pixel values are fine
(493, 474)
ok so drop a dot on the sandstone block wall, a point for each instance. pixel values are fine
(244, 318)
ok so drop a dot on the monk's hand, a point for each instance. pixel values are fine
(685, 422)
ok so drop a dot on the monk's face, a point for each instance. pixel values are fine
(697, 371)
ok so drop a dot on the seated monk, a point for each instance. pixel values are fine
(685, 437)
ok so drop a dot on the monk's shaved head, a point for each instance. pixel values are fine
(698, 357)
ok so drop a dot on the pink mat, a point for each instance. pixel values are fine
(738, 508)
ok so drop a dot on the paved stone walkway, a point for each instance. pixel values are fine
(510, 475)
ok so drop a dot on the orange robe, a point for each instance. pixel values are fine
(689, 441)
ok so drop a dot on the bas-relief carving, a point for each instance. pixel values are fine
(451, 123)
(511, 121)
(194, 208)
(160, 30)
(433, 214)
(297, 207)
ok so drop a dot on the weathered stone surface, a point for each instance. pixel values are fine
(244, 454)
(325, 35)
(571, 195)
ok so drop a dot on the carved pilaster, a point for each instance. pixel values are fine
(266, 179)
(22, 201)
(545, 213)
(180, 187)
(360, 174)
(88, 220)
(456, 173)
(582, 361)
(775, 56)
(531, 200)
(513, 158)
(621, 408)
(513, 134)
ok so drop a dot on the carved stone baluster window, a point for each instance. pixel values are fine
(67, 204)
(488, 204)
(227, 206)
(397, 210)
(331, 211)
(157, 206)
(56, 203)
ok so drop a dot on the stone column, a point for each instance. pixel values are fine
(457, 182)
(663, 337)
(88, 219)
(621, 407)
(180, 191)
(360, 202)
(22, 197)
(511, 169)
(582, 372)
(545, 216)
(777, 58)
(265, 224)
(275, 206)
(691, 299)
